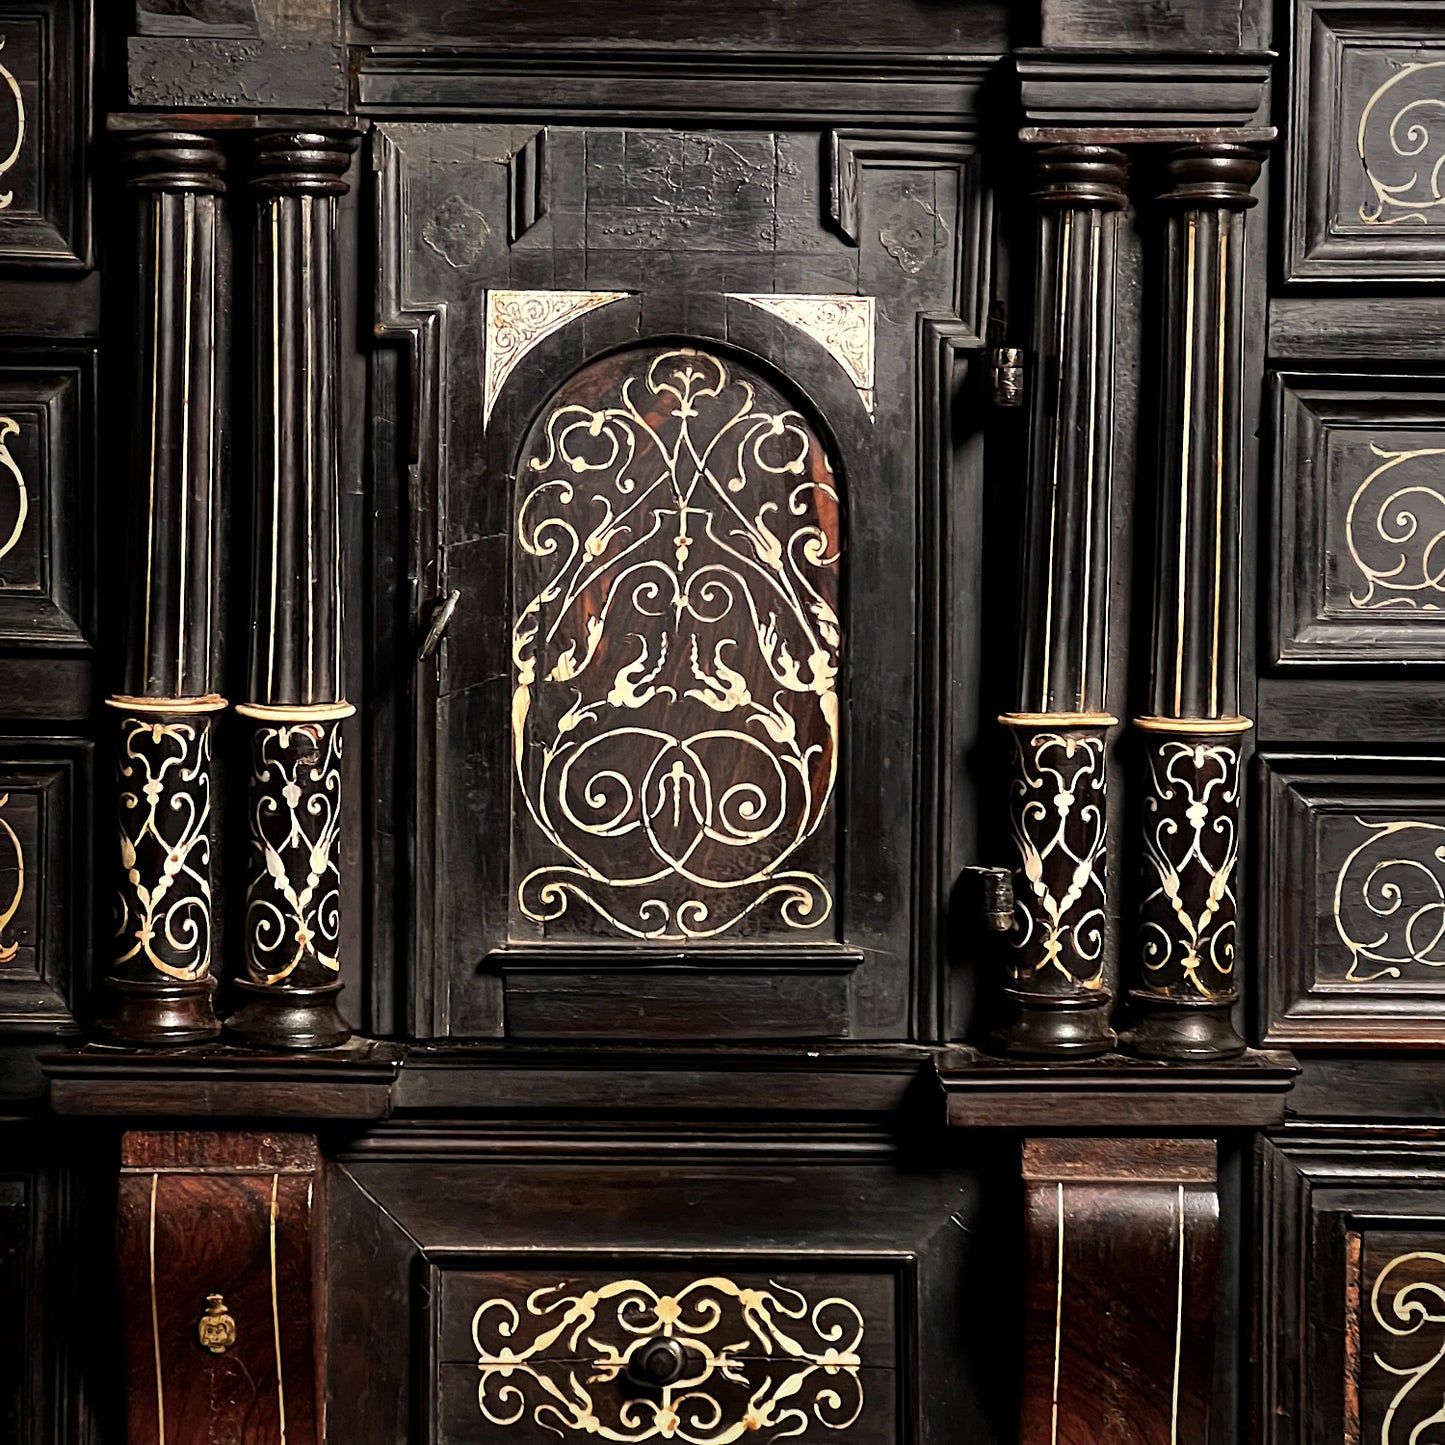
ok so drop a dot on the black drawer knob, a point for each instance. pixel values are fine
(657, 1363)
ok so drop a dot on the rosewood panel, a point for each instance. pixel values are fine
(1352, 939)
(1122, 1289)
(218, 1251)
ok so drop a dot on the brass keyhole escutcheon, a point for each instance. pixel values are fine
(216, 1330)
(657, 1364)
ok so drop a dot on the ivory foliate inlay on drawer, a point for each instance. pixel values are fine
(631, 1354)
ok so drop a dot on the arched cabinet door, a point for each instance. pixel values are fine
(666, 784)
(677, 644)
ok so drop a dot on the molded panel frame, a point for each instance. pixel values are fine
(1329, 36)
(1350, 921)
(51, 394)
(1314, 524)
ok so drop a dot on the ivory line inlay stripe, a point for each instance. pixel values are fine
(215, 469)
(1222, 343)
(311, 361)
(1188, 418)
(1178, 1328)
(156, 215)
(189, 204)
(1058, 1317)
(1066, 240)
(276, 1318)
(155, 1321)
(336, 632)
(276, 432)
(1096, 219)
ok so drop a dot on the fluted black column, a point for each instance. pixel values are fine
(1187, 977)
(297, 697)
(160, 985)
(1056, 996)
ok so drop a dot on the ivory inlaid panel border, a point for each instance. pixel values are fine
(1365, 193)
(1358, 529)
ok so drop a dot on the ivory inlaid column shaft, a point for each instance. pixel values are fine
(1187, 976)
(1056, 997)
(160, 985)
(296, 689)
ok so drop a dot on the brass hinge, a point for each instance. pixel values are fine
(1006, 363)
(993, 896)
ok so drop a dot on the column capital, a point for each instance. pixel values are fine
(1212, 175)
(1089, 177)
(302, 161)
(172, 160)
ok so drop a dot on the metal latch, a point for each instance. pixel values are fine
(993, 896)
(441, 616)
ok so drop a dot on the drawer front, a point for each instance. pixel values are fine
(719, 1351)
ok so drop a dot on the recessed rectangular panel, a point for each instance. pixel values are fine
(42, 883)
(44, 410)
(1396, 1284)
(1367, 126)
(44, 133)
(1354, 878)
(1359, 521)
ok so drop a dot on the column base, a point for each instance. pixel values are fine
(1065, 1028)
(160, 1015)
(277, 1017)
(1180, 1031)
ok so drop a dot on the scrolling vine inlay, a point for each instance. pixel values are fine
(844, 326)
(1395, 532)
(675, 714)
(11, 844)
(16, 511)
(1406, 1323)
(7, 161)
(1389, 901)
(1402, 156)
(716, 1398)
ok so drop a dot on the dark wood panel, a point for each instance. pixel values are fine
(1359, 519)
(752, 25)
(1351, 947)
(1362, 197)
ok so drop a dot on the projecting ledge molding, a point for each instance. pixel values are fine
(1114, 1092)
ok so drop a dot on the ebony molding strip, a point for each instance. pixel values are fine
(1055, 991)
(296, 695)
(1186, 982)
(160, 985)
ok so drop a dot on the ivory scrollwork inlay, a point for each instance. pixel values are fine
(1059, 827)
(1395, 533)
(517, 321)
(1191, 850)
(1401, 143)
(8, 429)
(164, 905)
(1406, 1307)
(7, 162)
(10, 951)
(1389, 901)
(844, 326)
(293, 903)
(756, 1360)
(675, 713)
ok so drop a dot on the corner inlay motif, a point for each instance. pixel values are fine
(518, 320)
(844, 326)
(1389, 903)
(806, 1371)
